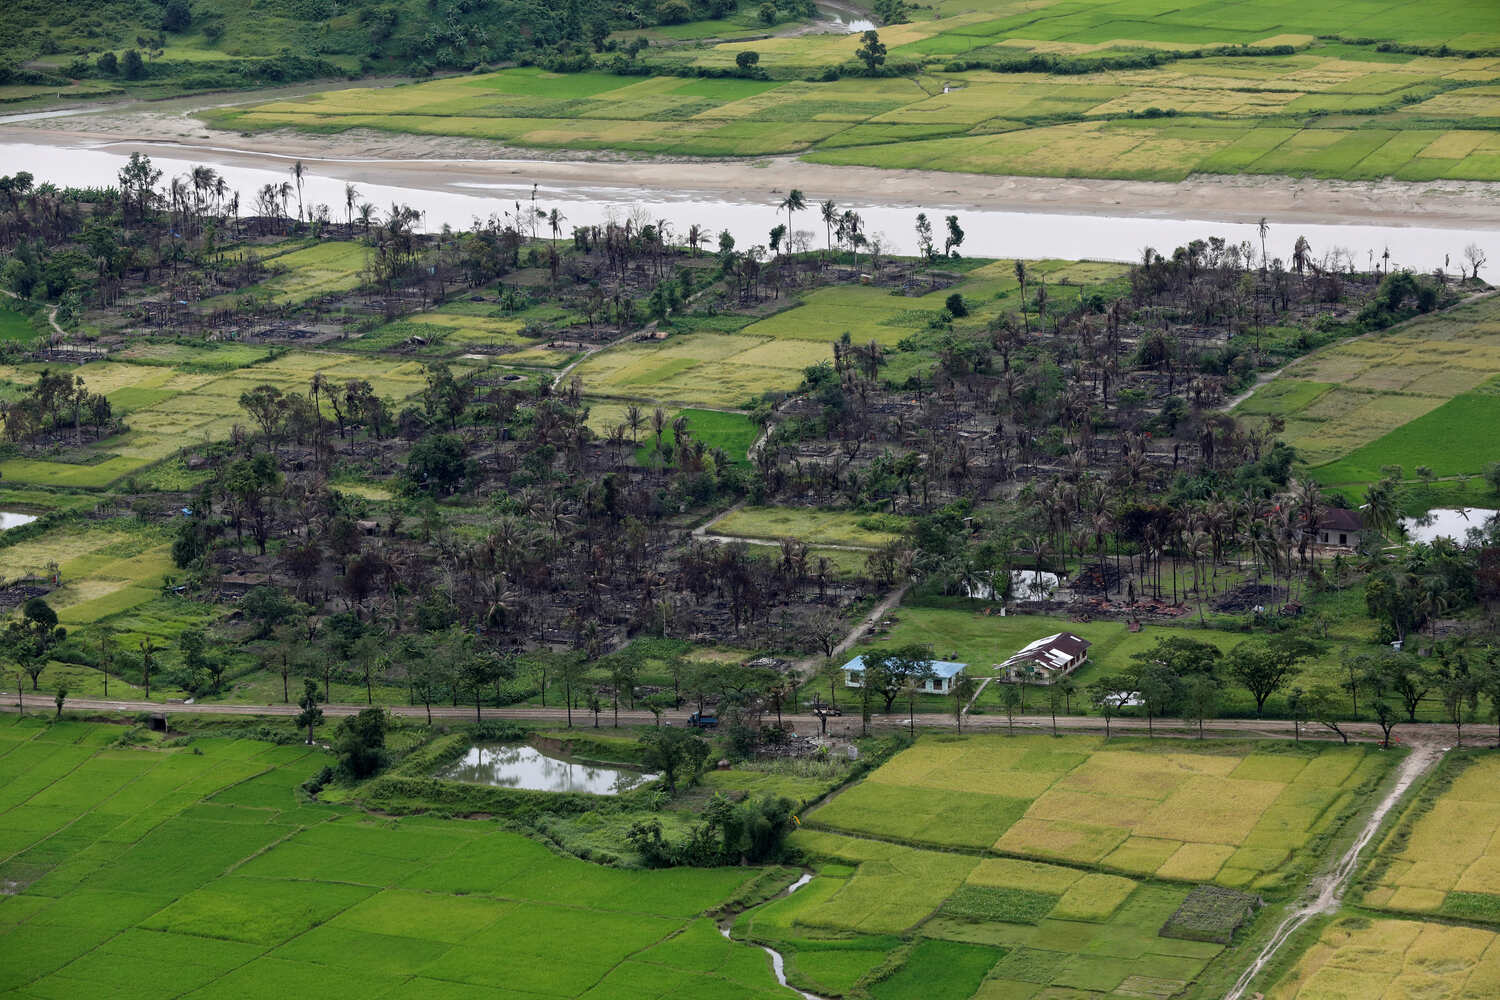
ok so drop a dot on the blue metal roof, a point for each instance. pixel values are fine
(940, 668)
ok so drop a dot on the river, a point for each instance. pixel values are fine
(1002, 217)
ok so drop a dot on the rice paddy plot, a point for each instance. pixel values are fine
(991, 927)
(703, 369)
(733, 433)
(1237, 817)
(1441, 858)
(1383, 959)
(199, 872)
(1382, 399)
(302, 275)
(1218, 114)
(170, 402)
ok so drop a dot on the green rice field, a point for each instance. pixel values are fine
(981, 927)
(200, 872)
(15, 325)
(1391, 399)
(1326, 109)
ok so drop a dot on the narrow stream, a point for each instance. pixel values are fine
(778, 964)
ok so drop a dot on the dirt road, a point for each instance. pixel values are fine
(40, 703)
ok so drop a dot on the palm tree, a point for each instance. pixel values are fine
(793, 202)
(366, 215)
(555, 219)
(1381, 512)
(1264, 227)
(350, 194)
(297, 171)
(1021, 277)
(695, 236)
(830, 215)
(634, 420)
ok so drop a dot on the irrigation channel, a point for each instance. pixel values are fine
(456, 191)
(778, 963)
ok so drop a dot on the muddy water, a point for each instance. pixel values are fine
(457, 202)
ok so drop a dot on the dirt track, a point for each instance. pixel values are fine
(40, 703)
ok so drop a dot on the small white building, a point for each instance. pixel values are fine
(940, 679)
(1048, 659)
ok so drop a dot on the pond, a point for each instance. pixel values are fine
(9, 519)
(1446, 522)
(507, 765)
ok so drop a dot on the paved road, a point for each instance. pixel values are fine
(40, 702)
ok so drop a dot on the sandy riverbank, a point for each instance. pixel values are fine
(456, 165)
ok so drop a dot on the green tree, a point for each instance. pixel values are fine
(1106, 701)
(1321, 705)
(572, 673)
(311, 715)
(1265, 669)
(1010, 701)
(476, 672)
(1386, 718)
(360, 742)
(961, 691)
(439, 464)
(871, 52)
(1200, 700)
(133, 67)
(1408, 676)
(678, 754)
(59, 697)
(747, 59)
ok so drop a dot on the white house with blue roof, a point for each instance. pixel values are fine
(940, 680)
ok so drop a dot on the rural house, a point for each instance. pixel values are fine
(1048, 659)
(1340, 528)
(940, 681)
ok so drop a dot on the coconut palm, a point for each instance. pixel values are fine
(830, 215)
(793, 202)
(298, 171)
(351, 194)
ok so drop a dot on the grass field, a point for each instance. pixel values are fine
(815, 527)
(15, 326)
(1386, 398)
(1233, 814)
(303, 274)
(199, 872)
(991, 928)
(106, 567)
(715, 369)
(1383, 959)
(175, 396)
(733, 432)
(702, 369)
(1326, 110)
(1440, 858)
